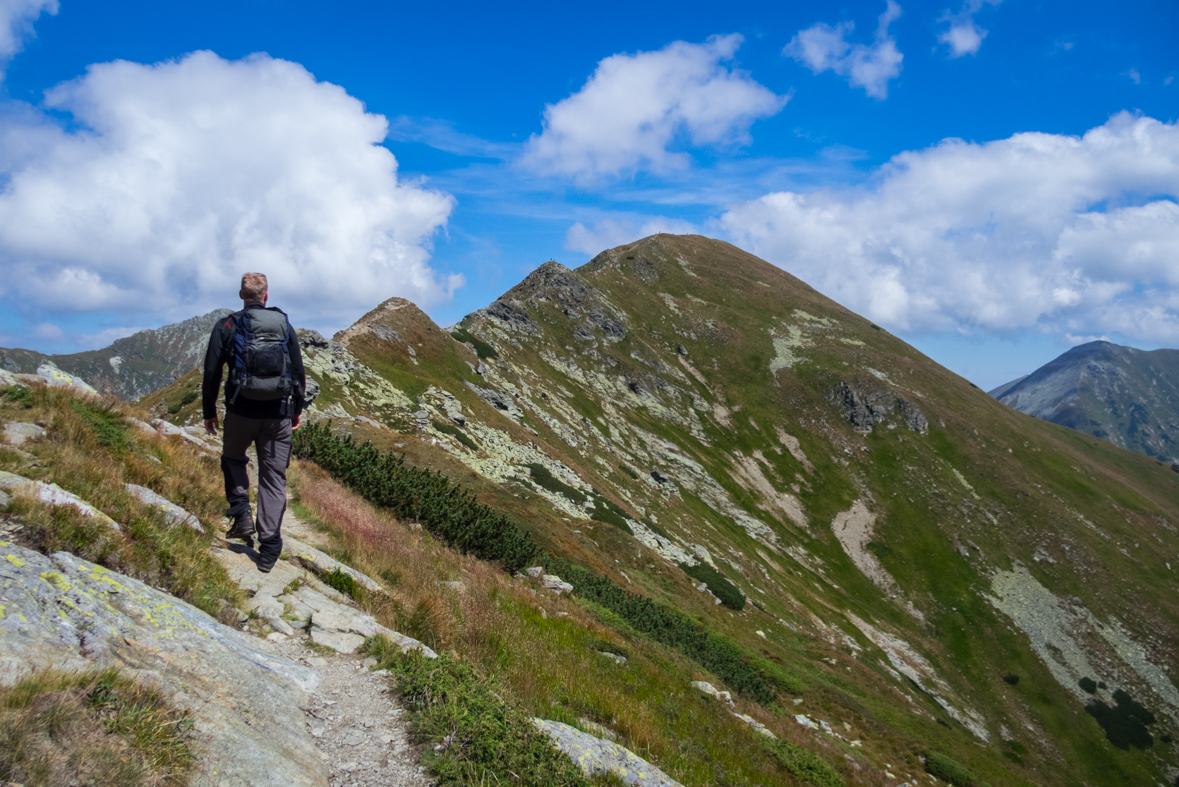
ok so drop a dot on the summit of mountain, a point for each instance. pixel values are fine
(896, 549)
(1126, 396)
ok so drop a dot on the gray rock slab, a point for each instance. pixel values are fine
(339, 641)
(63, 612)
(51, 494)
(16, 433)
(598, 756)
(58, 379)
(321, 563)
(173, 514)
(335, 623)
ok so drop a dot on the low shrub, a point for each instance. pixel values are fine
(482, 348)
(607, 512)
(950, 770)
(1125, 723)
(188, 398)
(722, 588)
(807, 766)
(672, 628)
(18, 394)
(107, 424)
(478, 738)
(442, 507)
(457, 434)
(343, 582)
(543, 477)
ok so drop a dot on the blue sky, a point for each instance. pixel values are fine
(993, 181)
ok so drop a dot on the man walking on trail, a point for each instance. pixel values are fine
(263, 404)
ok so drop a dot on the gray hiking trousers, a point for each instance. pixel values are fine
(273, 439)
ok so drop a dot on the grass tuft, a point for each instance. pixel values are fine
(91, 728)
(477, 737)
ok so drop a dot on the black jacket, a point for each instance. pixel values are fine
(220, 353)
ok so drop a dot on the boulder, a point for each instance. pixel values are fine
(598, 757)
(555, 584)
(16, 433)
(724, 696)
(757, 726)
(62, 612)
(53, 495)
(321, 563)
(56, 378)
(173, 514)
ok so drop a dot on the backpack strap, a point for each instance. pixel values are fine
(243, 334)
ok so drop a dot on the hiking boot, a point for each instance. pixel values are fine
(242, 531)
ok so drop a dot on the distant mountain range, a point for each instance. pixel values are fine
(1125, 396)
(132, 366)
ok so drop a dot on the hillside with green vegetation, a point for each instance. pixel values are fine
(748, 485)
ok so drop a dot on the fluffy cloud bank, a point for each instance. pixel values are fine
(1060, 233)
(172, 179)
(635, 108)
(823, 47)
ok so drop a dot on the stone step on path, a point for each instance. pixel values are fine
(357, 723)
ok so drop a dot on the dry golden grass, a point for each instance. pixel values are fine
(91, 728)
(90, 451)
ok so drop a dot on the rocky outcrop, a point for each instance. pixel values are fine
(865, 410)
(599, 757)
(51, 494)
(289, 598)
(172, 513)
(62, 612)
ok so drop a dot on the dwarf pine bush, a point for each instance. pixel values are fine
(442, 507)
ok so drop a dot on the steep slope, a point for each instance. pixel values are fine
(133, 366)
(919, 560)
(1126, 396)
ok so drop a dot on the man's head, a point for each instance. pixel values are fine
(253, 288)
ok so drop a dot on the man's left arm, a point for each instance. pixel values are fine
(299, 375)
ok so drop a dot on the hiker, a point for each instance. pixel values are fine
(263, 404)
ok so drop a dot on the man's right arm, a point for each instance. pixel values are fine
(214, 360)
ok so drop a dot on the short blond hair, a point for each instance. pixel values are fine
(254, 287)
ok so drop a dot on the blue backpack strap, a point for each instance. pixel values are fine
(242, 335)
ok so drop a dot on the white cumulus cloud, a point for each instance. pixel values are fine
(611, 232)
(16, 25)
(173, 179)
(824, 47)
(636, 109)
(1060, 233)
(964, 36)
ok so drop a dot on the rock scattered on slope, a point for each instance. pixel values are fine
(51, 494)
(173, 514)
(18, 434)
(597, 756)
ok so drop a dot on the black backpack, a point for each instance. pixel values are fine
(261, 367)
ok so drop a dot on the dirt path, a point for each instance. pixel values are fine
(357, 723)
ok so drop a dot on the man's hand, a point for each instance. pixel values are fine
(211, 425)
(295, 421)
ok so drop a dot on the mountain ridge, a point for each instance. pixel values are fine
(132, 366)
(1123, 395)
(918, 560)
